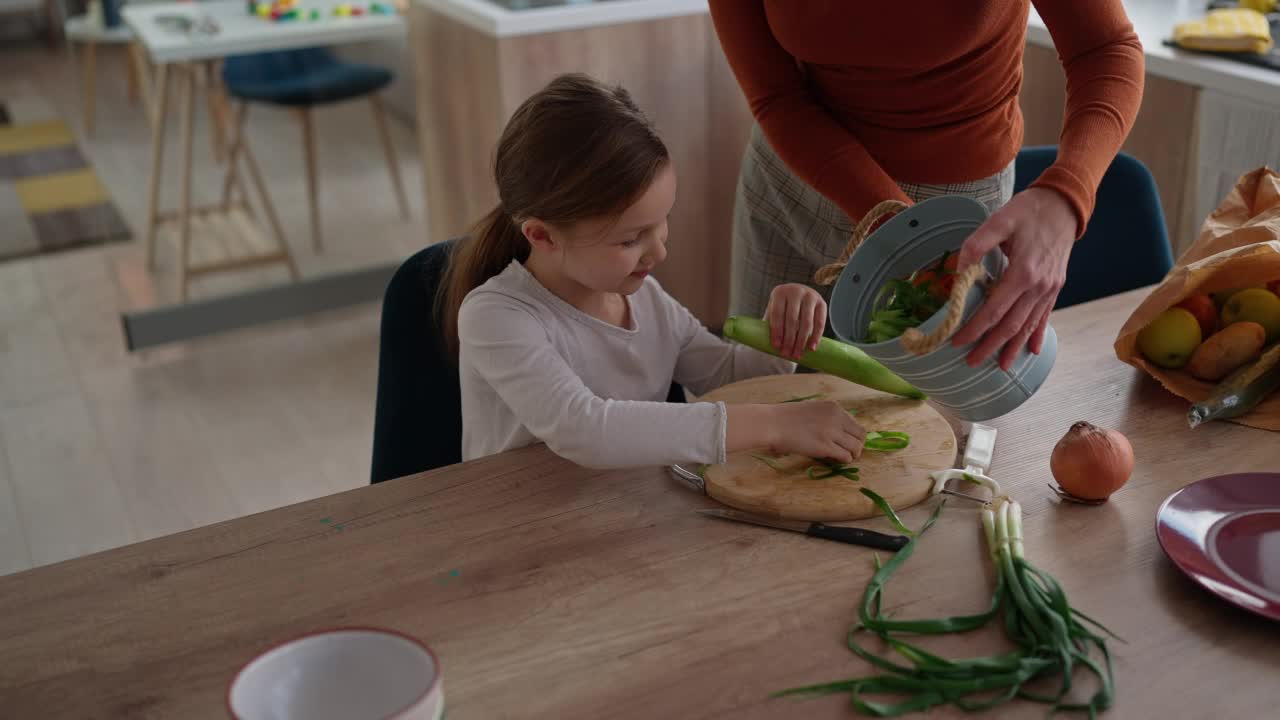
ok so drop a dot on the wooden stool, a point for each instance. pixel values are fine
(80, 29)
(228, 236)
(304, 79)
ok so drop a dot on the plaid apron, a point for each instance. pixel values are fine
(784, 230)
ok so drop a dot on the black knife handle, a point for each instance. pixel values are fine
(858, 536)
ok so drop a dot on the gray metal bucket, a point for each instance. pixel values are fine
(909, 241)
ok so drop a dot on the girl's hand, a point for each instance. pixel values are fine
(1036, 230)
(797, 315)
(819, 429)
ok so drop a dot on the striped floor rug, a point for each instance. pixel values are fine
(50, 197)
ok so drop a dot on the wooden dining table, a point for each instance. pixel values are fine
(552, 591)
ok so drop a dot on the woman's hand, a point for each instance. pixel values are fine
(1036, 230)
(797, 315)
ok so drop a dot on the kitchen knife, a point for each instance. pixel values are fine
(850, 535)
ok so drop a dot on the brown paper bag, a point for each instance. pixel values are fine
(1239, 246)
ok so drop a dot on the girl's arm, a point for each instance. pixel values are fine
(807, 138)
(509, 348)
(707, 362)
(797, 316)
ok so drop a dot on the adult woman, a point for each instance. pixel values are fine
(856, 103)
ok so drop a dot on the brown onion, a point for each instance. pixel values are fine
(1090, 462)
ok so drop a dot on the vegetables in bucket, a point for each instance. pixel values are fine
(908, 246)
(905, 303)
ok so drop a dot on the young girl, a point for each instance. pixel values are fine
(562, 335)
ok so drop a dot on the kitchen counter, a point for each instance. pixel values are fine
(1154, 20)
(511, 18)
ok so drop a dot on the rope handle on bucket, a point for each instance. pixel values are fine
(915, 342)
(827, 274)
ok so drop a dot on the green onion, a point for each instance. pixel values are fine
(831, 357)
(769, 461)
(887, 509)
(830, 469)
(802, 398)
(883, 440)
(1052, 638)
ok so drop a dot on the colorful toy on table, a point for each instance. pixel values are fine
(282, 10)
(277, 10)
(350, 10)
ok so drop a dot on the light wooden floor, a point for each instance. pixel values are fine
(100, 448)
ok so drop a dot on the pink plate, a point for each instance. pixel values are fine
(1224, 532)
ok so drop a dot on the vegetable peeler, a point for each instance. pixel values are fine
(978, 451)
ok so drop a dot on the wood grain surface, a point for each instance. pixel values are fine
(901, 477)
(550, 591)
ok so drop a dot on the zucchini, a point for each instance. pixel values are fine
(1241, 391)
(832, 357)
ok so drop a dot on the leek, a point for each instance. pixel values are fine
(831, 357)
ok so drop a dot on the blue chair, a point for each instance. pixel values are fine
(1126, 245)
(301, 80)
(417, 423)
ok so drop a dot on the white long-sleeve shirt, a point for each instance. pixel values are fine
(534, 368)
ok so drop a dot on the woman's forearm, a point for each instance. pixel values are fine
(1105, 68)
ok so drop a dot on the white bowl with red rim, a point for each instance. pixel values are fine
(349, 673)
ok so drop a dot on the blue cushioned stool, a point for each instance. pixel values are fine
(301, 80)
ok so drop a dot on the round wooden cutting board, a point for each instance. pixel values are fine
(900, 476)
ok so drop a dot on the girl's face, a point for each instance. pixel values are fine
(614, 255)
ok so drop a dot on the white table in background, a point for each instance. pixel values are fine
(234, 32)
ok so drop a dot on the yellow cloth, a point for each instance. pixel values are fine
(36, 136)
(1232, 30)
(60, 191)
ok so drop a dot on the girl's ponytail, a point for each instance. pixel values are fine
(491, 247)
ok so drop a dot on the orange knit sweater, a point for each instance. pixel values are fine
(856, 95)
